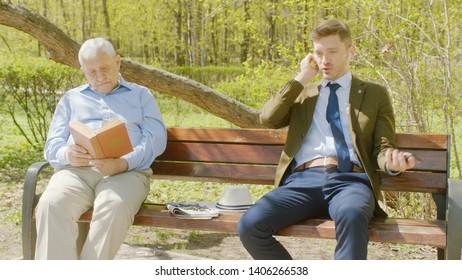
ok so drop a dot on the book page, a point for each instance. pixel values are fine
(81, 128)
(85, 137)
(109, 125)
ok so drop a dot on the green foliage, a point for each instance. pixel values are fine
(15, 159)
(10, 202)
(257, 84)
(210, 75)
(179, 113)
(16, 43)
(409, 205)
(32, 88)
(16, 155)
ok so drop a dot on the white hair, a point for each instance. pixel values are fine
(91, 47)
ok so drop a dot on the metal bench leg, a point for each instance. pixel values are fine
(454, 220)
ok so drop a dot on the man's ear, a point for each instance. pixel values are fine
(118, 59)
(352, 52)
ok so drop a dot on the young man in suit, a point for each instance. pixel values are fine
(340, 134)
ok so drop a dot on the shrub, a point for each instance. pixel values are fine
(209, 75)
(32, 88)
(14, 161)
(257, 84)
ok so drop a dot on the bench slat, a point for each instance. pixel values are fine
(223, 173)
(422, 141)
(429, 182)
(404, 140)
(430, 160)
(232, 153)
(227, 135)
(419, 232)
(415, 182)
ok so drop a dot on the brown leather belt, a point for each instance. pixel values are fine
(325, 162)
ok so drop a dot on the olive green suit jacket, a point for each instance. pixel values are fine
(372, 123)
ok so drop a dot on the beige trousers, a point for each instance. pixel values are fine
(74, 190)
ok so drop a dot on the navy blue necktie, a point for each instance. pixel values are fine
(333, 117)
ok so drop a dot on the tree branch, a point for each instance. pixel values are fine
(62, 49)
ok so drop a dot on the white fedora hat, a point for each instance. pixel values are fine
(235, 198)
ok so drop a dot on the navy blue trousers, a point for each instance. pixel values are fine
(347, 198)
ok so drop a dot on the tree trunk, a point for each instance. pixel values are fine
(107, 23)
(64, 50)
(84, 21)
(245, 45)
(179, 50)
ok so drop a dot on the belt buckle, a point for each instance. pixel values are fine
(331, 168)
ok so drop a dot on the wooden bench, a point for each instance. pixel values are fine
(250, 156)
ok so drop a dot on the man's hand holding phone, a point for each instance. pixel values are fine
(308, 70)
(313, 64)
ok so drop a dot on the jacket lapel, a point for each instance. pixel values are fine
(357, 91)
(356, 96)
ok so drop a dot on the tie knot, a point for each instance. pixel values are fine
(333, 87)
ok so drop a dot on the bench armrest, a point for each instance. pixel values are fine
(29, 201)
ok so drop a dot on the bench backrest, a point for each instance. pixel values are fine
(250, 156)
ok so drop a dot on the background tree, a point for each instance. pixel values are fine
(64, 50)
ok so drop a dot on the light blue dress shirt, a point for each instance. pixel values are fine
(130, 103)
(319, 141)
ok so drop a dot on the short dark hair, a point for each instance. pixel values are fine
(332, 27)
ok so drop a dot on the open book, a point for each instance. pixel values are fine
(110, 141)
(193, 210)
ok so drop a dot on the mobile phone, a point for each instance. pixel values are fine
(313, 64)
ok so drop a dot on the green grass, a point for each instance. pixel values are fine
(163, 191)
(10, 203)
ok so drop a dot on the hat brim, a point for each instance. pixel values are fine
(233, 207)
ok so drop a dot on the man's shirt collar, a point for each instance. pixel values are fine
(344, 81)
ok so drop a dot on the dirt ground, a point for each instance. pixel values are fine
(228, 247)
(150, 243)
